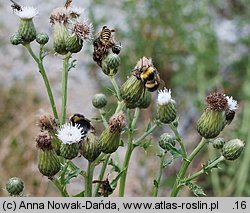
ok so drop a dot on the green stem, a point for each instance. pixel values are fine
(208, 167)
(117, 90)
(89, 179)
(42, 71)
(184, 166)
(58, 185)
(145, 134)
(125, 165)
(158, 180)
(178, 138)
(132, 125)
(104, 121)
(120, 106)
(101, 175)
(65, 73)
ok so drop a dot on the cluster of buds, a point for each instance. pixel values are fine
(26, 32)
(219, 112)
(69, 30)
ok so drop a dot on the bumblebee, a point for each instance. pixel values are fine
(148, 74)
(83, 122)
(230, 116)
(16, 6)
(105, 188)
(99, 51)
(151, 79)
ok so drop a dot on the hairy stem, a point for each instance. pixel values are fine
(42, 71)
(208, 167)
(117, 90)
(184, 166)
(104, 121)
(65, 73)
(101, 175)
(89, 179)
(158, 179)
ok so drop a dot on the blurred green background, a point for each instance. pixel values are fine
(197, 46)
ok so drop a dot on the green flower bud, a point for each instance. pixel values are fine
(56, 144)
(60, 33)
(211, 123)
(89, 147)
(109, 140)
(27, 30)
(166, 141)
(232, 149)
(110, 64)
(74, 44)
(132, 89)
(48, 162)
(218, 143)
(42, 38)
(143, 102)
(213, 119)
(166, 110)
(69, 151)
(99, 101)
(15, 186)
(16, 39)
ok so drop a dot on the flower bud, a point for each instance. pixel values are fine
(213, 119)
(27, 30)
(48, 162)
(109, 140)
(132, 89)
(60, 34)
(16, 39)
(110, 64)
(69, 151)
(166, 110)
(218, 143)
(166, 141)
(15, 186)
(99, 101)
(89, 147)
(42, 38)
(143, 102)
(74, 44)
(232, 149)
(70, 136)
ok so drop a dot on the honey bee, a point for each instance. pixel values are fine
(16, 6)
(148, 74)
(67, 3)
(105, 188)
(102, 44)
(83, 122)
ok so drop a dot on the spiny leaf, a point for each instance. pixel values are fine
(156, 184)
(115, 167)
(71, 175)
(197, 190)
(114, 182)
(167, 162)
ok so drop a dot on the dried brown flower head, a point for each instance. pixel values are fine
(44, 140)
(117, 122)
(217, 101)
(47, 122)
(83, 30)
(59, 15)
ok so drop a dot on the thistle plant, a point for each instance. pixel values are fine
(59, 141)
